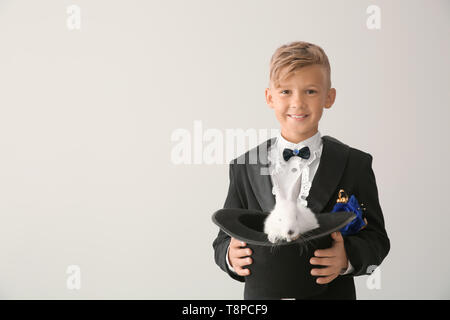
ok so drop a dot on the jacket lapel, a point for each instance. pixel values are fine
(260, 178)
(329, 173)
(325, 182)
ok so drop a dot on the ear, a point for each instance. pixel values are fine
(331, 96)
(269, 98)
(279, 192)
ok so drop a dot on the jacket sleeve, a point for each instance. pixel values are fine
(222, 240)
(368, 248)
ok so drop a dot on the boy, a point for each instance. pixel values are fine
(299, 90)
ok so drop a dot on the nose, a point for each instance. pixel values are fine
(297, 101)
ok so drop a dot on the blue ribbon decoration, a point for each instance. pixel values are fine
(352, 205)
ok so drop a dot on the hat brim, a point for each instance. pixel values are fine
(248, 225)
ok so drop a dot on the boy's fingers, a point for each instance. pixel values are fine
(243, 252)
(322, 271)
(238, 253)
(324, 280)
(324, 253)
(242, 272)
(239, 256)
(337, 236)
(240, 262)
(237, 243)
(322, 261)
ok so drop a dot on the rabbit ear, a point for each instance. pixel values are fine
(289, 194)
(280, 194)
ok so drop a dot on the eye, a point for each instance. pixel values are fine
(285, 92)
(311, 91)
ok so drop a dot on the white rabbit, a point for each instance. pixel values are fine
(288, 219)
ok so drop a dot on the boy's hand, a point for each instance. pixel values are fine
(334, 258)
(238, 256)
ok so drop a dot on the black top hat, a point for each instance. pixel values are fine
(248, 225)
(280, 270)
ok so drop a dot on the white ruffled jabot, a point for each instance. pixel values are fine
(277, 164)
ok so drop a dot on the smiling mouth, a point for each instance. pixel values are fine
(298, 116)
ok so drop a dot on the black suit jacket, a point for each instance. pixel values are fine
(340, 167)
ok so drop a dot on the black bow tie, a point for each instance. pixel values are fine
(302, 153)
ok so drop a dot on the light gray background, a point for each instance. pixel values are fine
(86, 118)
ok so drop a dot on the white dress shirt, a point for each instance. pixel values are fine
(295, 176)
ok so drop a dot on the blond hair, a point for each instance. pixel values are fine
(295, 55)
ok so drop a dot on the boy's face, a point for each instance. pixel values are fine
(304, 92)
